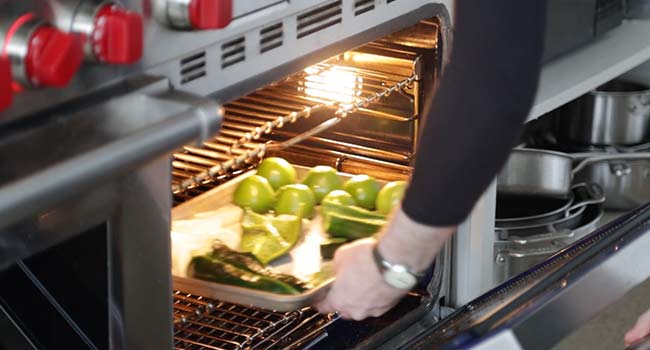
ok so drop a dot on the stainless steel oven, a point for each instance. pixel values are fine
(174, 98)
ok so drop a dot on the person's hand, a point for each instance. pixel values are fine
(359, 290)
(640, 329)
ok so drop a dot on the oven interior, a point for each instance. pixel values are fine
(366, 105)
(359, 112)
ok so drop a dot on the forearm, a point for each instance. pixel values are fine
(410, 243)
(480, 106)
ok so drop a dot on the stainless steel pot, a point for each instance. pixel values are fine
(615, 113)
(536, 172)
(520, 253)
(527, 211)
(625, 182)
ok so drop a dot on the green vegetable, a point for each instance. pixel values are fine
(248, 262)
(351, 227)
(211, 268)
(329, 246)
(268, 238)
(295, 199)
(339, 197)
(256, 193)
(278, 171)
(264, 242)
(322, 180)
(350, 210)
(364, 190)
(390, 196)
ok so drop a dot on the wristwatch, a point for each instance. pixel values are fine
(396, 275)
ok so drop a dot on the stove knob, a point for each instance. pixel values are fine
(197, 14)
(53, 57)
(117, 37)
(210, 14)
(5, 83)
(40, 54)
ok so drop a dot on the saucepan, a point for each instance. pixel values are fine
(543, 173)
(625, 182)
(617, 113)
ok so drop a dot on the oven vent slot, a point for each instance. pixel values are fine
(363, 6)
(193, 67)
(271, 37)
(233, 52)
(322, 17)
(389, 1)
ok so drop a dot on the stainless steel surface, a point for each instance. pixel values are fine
(128, 170)
(134, 208)
(558, 295)
(517, 253)
(257, 69)
(536, 172)
(615, 113)
(252, 153)
(191, 119)
(374, 88)
(544, 210)
(203, 323)
(256, 298)
(78, 16)
(559, 225)
(624, 178)
(173, 12)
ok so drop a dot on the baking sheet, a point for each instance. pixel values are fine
(212, 215)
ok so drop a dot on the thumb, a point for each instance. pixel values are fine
(640, 330)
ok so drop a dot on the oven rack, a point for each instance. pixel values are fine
(202, 323)
(242, 150)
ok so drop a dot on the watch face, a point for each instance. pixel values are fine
(400, 279)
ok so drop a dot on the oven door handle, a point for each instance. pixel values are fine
(39, 191)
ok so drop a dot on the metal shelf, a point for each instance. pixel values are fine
(574, 74)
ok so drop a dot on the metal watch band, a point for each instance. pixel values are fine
(384, 264)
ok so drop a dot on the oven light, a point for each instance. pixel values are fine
(332, 84)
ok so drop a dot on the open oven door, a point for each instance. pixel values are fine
(540, 307)
(84, 217)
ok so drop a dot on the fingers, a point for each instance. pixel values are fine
(640, 329)
(324, 307)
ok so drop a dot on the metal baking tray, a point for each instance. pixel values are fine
(302, 260)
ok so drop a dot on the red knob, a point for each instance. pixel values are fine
(118, 35)
(53, 57)
(210, 14)
(5, 83)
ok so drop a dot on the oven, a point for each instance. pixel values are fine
(165, 105)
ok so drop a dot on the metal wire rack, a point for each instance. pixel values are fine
(251, 124)
(202, 323)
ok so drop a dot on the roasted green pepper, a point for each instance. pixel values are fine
(248, 262)
(211, 268)
(349, 210)
(350, 227)
(328, 247)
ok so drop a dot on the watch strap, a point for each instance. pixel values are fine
(384, 264)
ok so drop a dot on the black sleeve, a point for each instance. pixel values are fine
(478, 110)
